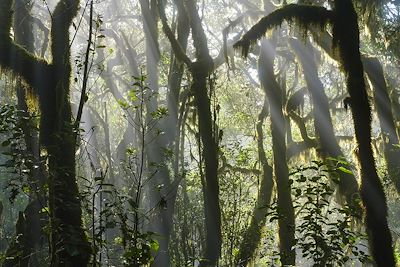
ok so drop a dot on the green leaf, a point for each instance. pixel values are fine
(6, 143)
(123, 104)
(154, 245)
(132, 95)
(343, 169)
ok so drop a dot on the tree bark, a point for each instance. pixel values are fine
(383, 107)
(324, 131)
(200, 70)
(29, 235)
(278, 131)
(346, 38)
(69, 246)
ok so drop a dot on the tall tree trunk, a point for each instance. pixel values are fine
(29, 234)
(346, 38)
(278, 131)
(69, 246)
(209, 149)
(383, 107)
(200, 70)
(253, 234)
(324, 131)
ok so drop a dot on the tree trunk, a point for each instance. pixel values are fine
(324, 131)
(383, 107)
(253, 234)
(346, 38)
(69, 246)
(278, 131)
(211, 190)
(27, 240)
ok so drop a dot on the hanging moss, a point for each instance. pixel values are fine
(303, 16)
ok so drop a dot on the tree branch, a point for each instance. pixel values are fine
(14, 57)
(176, 47)
(84, 96)
(63, 14)
(303, 15)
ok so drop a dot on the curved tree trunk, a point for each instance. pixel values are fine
(346, 37)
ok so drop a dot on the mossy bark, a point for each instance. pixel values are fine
(29, 236)
(69, 246)
(346, 38)
(253, 234)
(328, 146)
(383, 107)
(273, 91)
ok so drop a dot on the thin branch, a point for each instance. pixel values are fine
(86, 69)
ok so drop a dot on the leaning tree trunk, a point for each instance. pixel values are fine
(278, 131)
(383, 107)
(329, 147)
(346, 38)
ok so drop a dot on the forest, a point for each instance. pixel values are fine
(199, 133)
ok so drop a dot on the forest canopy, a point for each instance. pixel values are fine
(199, 133)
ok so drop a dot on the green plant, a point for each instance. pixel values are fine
(19, 161)
(117, 214)
(324, 232)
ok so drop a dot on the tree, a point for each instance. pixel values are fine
(328, 146)
(345, 29)
(50, 83)
(200, 70)
(274, 93)
(28, 239)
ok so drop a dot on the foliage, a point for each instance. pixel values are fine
(20, 162)
(125, 119)
(325, 233)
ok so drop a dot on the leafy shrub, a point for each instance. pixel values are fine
(324, 233)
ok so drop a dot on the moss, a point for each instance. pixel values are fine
(302, 15)
(50, 83)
